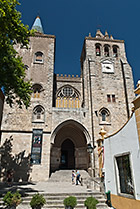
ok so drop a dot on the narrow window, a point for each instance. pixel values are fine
(108, 98)
(106, 51)
(98, 52)
(103, 115)
(38, 114)
(115, 52)
(39, 57)
(113, 98)
(37, 88)
(125, 177)
(36, 93)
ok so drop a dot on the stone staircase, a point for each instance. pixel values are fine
(56, 189)
(65, 176)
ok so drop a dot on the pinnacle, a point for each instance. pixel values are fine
(99, 34)
(111, 37)
(106, 35)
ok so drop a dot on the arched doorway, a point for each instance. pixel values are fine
(69, 147)
(67, 155)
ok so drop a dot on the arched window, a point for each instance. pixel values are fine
(106, 51)
(104, 115)
(115, 51)
(38, 114)
(38, 57)
(98, 50)
(37, 88)
(67, 91)
(67, 97)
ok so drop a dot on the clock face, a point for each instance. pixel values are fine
(107, 67)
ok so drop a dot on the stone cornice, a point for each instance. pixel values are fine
(37, 34)
(22, 131)
(104, 40)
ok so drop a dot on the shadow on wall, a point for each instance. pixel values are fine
(19, 163)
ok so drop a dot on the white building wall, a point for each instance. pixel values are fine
(125, 141)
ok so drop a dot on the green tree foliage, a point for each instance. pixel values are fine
(12, 71)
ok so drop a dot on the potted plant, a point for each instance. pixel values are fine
(70, 202)
(12, 200)
(37, 201)
(91, 202)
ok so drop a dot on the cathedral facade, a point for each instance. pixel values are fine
(67, 112)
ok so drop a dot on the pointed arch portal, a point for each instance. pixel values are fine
(67, 159)
(69, 147)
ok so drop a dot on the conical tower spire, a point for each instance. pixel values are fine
(37, 25)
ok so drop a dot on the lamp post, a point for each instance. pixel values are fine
(90, 150)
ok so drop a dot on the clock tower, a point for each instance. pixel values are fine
(107, 83)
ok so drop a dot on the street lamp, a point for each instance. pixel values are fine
(90, 150)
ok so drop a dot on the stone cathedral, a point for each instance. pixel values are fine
(66, 111)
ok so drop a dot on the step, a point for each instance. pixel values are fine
(65, 175)
(56, 201)
(54, 191)
(66, 193)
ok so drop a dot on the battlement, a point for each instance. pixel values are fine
(60, 77)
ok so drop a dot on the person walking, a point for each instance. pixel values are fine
(73, 177)
(77, 177)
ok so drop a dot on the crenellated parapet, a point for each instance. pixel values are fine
(74, 78)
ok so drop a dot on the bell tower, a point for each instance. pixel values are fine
(107, 82)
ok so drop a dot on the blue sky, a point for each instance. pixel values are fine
(70, 21)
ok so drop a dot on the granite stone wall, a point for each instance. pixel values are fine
(100, 76)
